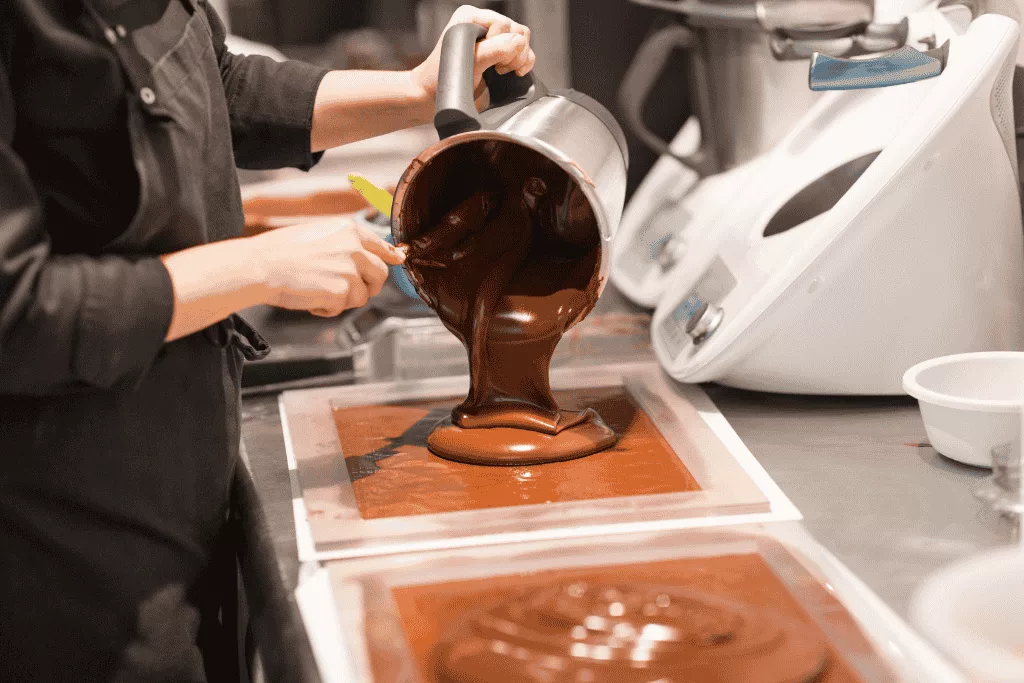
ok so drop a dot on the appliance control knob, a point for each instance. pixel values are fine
(703, 323)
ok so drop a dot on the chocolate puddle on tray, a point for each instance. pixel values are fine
(393, 474)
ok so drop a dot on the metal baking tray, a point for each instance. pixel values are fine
(355, 623)
(734, 488)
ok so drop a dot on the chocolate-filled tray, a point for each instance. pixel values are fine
(750, 604)
(365, 483)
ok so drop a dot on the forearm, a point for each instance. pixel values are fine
(355, 105)
(213, 281)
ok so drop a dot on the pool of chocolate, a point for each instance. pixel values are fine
(393, 473)
(717, 619)
(505, 248)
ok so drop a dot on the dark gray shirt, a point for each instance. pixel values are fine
(68, 185)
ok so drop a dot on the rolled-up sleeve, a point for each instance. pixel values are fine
(270, 104)
(68, 322)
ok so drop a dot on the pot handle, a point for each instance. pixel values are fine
(643, 72)
(455, 111)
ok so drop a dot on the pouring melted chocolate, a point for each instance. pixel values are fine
(628, 634)
(505, 248)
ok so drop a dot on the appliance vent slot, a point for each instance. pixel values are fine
(1001, 102)
(819, 196)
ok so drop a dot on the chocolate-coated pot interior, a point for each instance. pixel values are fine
(505, 246)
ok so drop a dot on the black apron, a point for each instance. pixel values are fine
(116, 553)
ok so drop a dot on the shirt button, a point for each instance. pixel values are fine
(121, 30)
(147, 95)
(110, 35)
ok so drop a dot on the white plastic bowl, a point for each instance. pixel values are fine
(974, 612)
(970, 402)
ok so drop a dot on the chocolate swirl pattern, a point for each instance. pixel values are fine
(581, 633)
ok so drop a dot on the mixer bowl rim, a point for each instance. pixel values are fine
(549, 151)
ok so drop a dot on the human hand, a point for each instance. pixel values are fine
(324, 267)
(506, 47)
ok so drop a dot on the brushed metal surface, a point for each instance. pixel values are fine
(567, 133)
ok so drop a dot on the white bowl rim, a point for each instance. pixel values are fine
(931, 601)
(912, 387)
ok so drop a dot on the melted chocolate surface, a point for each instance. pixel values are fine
(716, 618)
(393, 474)
(504, 246)
(631, 633)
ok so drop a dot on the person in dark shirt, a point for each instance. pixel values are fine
(122, 123)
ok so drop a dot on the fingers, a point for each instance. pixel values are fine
(372, 270)
(500, 25)
(352, 289)
(506, 46)
(524, 62)
(527, 67)
(524, 59)
(328, 312)
(467, 14)
(386, 252)
(358, 293)
(504, 52)
(336, 304)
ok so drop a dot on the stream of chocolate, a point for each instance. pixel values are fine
(629, 634)
(507, 252)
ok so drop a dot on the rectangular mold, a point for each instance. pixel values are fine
(731, 486)
(377, 619)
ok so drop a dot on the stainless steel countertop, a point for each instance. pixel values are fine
(892, 513)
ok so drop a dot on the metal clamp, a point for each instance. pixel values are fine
(873, 39)
(814, 18)
(903, 66)
(840, 28)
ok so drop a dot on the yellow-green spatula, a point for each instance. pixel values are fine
(378, 198)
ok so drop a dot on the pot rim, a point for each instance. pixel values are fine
(570, 167)
(549, 151)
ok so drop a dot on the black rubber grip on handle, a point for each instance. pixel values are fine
(505, 88)
(454, 109)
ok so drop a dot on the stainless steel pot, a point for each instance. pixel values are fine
(571, 129)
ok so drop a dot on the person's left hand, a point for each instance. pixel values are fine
(506, 47)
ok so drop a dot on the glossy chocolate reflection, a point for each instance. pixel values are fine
(629, 634)
(507, 252)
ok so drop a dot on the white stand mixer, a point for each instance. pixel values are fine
(885, 229)
(750, 89)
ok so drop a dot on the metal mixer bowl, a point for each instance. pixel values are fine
(567, 128)
(597, 168)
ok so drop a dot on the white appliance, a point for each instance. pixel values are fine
(670, 209)
(675, 205)
(883, 231)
